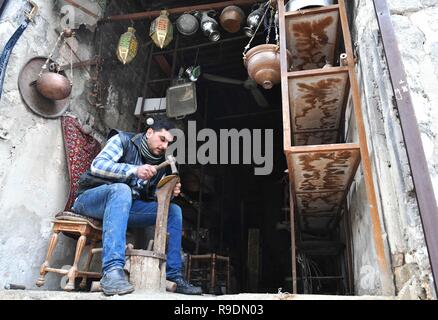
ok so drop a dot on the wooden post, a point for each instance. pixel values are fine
(379, 243)
(147, 269)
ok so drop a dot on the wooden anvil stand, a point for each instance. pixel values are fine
(147, 268)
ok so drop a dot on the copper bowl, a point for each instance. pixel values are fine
(231, 18)
(263, 64)
(53, 86)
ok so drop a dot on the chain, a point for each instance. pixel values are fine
(277, 35)
(44, 67)
(270, 25)
(256, 30)
(71, 64)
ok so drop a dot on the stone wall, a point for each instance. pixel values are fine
(399, 216)
(33, 170)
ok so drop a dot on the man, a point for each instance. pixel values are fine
(119, 189)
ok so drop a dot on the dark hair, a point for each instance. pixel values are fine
(159, 123)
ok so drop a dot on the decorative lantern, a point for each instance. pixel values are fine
(263, 61)
(161, 30)
(128, 46)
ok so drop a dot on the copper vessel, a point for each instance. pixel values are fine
(209, 26)
(263, 64)
(231, 18)
(187, 24)
(53, 86)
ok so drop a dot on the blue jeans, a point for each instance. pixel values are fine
(114, 205)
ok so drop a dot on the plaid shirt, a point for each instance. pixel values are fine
(106, 165)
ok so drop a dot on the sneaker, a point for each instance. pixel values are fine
(114, 282)
(182, 286)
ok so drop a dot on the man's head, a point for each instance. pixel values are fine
(158, 135)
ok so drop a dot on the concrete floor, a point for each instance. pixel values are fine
(61, 295)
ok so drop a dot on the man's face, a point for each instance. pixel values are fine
(158, 141)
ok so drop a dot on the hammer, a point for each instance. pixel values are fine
(171, 161)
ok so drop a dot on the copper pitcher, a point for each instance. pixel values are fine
(263, 64)
(231, 18)
(53, 86)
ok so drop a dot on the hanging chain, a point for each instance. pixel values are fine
(44, 67)
(277, 34)
(71, 64)
(270, 25)
(256, 30)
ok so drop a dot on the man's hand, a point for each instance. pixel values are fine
(177, 190)
(146, 171)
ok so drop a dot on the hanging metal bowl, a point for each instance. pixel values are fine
(53, 86)
(42, 106)
(187, 24)
(263, 64)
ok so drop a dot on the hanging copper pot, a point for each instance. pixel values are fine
(53, 86)
(263, 64)
(231, 18)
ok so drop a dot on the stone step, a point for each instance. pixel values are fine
(62, 295)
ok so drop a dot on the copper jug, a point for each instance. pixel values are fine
(53, 86)
(263, 64)
(231, 18)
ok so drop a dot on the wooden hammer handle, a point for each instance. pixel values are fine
(162, 165)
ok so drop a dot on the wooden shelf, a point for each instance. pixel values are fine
(312, 36)
(321, 176)
(317, 101)
(320, 170)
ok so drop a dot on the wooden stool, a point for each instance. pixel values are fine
(211, 270)
(80, 148)
(84, 230)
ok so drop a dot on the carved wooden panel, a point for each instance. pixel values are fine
(323, 168)
(311, 38)
(319, 203)
(317, 100)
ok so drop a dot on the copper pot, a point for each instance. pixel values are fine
(231, 18)
(263, 64)
(53, 86)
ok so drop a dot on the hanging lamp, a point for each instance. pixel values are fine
(161, 30)
(127, 47)
(263, 61)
